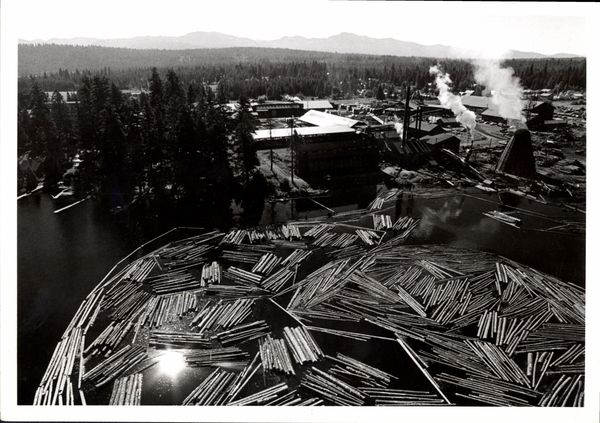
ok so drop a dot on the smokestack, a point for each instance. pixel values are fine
(517, 157)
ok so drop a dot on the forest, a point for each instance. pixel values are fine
(177, 141)
(253, 72)
(172, 144)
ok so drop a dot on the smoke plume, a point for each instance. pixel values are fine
(506, 89)
(451, 101)
(399, 128)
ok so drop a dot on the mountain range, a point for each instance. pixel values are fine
(341, 43)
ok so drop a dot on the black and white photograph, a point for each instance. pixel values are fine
(369, 210)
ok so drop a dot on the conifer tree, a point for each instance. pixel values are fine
(244, 150)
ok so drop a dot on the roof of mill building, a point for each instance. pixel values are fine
(265, 134)
(317, 118)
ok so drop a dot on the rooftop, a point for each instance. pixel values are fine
(316, 104)
(265, 134)
(317, 118)
(435, 139)
(476, 101)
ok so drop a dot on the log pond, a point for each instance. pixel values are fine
(63, 257)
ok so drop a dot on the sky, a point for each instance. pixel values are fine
(546, 28)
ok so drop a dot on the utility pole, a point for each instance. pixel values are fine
(406, 117)
(292, 147)
(270, 122)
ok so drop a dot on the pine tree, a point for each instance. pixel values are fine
(63, 120)
(222, 92)
(244, 150)
(41, 134)
(380, 94)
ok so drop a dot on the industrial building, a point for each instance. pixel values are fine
(446, 141)
(448, 122)
(419, 129)
(492, 115)
(541, 109)
(318, 105)
(476, 103)
(334, 151)
(278, 109)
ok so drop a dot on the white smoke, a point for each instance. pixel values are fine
(451, 101)
(399, 128)
(507, 92)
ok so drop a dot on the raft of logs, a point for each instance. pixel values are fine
(480, 329)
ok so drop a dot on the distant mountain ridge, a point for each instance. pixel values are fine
(341, 43)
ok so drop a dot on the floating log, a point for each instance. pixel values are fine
(172, 282)
(127, 390)
(115, 365)
(242, 276)
(243, 378)
(211, 274)
(235, 256)
(362, 374)
(266, 264)
(243, 333)
(70, 205)
(418, 362)
(222, 315)
(402, 397)
(216, 356)
(318, 230)
(301, 344)
(234, 236)
(369, 237)
(262, 397)
(352, 335)
(275, 282)
(275, 356)
(296, 257)
(168, 339)
(331, 389)
(212, 390)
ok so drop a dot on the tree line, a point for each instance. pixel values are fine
(173, 143)
(274, 73)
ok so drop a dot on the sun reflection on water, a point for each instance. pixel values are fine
(171, 363)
